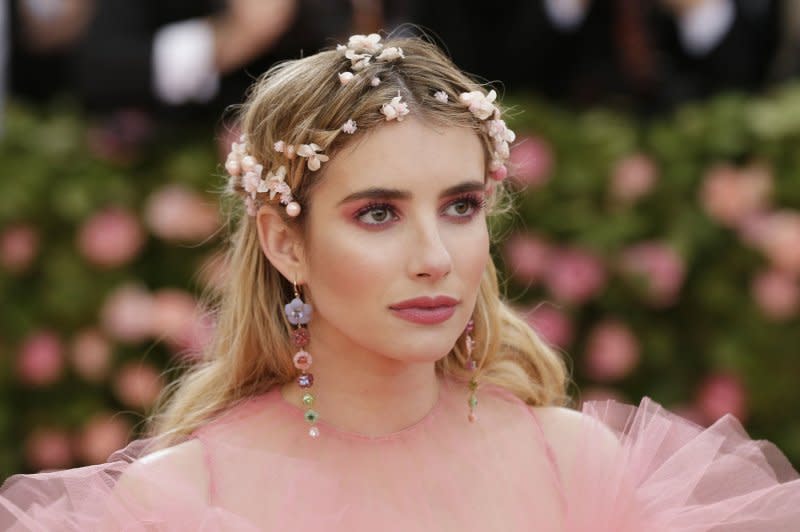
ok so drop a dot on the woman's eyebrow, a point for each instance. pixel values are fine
(376, 193)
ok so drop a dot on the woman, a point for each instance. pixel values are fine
(365, 373)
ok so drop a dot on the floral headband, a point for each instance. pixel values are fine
(246, 174)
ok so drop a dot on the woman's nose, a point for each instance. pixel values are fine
(430, 256)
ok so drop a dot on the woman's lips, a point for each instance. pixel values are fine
(426, 316)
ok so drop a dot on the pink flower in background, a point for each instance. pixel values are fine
(776, 293)
(752, 228)
(552, 325)
(778, 237)
(48, 449)
(175, 212)
(574, 275)
(120, 136)
(721, 394)
(137, 385)
(110, 238)
(127, 313)
(40, 360)
(633, 177)
(174, 313)
(102, 435)
(196, 337)
(691, 412)
(730, 195)
(612, 351)
(19, 245)
(661, 267)
(91, 355)
(527, 257)
(532, 161)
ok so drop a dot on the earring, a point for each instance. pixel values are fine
(472, 366)
(299, 313)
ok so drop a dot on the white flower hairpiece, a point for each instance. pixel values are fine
(440, 96)
(483, 108)
(246, 173)
(361, 49)
(390, 54)
(349, 127)
(480, 104)
(314, 159)
(395, 109)
(358, 61)
(370, 44)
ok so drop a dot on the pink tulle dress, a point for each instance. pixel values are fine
(627, 469)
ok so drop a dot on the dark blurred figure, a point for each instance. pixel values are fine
(196, 56)
(141, 66)
(43, 35)
(644, 54)
(5, 43)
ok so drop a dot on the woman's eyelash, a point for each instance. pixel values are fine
(474, 200)
(479, 202)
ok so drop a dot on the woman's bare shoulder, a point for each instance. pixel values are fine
(567, 431)
(182, 467)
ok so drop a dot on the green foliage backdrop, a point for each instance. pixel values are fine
(663, 258)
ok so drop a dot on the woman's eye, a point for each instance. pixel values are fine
(375, 215)
(461, 208)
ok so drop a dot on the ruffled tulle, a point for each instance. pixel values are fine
(669, 474)
(633, 469)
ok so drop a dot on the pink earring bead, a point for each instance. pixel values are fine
(300, 337)
(499, 174)
(293, 209)
(302, 360)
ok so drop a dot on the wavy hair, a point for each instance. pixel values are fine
(300, 102)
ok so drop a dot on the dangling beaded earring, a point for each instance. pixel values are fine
(299, 313)
(472, 366)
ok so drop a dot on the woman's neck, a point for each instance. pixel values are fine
(368, 402)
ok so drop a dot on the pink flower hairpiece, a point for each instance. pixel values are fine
(481, 105)
(246, 173)
(483, 108)
(310, 151)
(395, 109)
(361, 50)
(349, 127)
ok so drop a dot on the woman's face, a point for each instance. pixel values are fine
(398, 215)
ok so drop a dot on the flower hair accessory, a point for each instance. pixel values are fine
(395, 109)
(361, 50)
(483, 108)
(315, 159)
(246, 174)
(349, 127)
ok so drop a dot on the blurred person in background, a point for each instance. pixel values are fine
(4, 45)
(649, 55)
(193, 57)
(136, 63)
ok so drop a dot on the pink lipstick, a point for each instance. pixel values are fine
(425, 310)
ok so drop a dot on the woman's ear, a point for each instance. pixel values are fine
(281, 244)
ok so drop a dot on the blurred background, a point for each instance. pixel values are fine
(657, 235)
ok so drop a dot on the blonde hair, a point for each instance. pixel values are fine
(300, 102)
